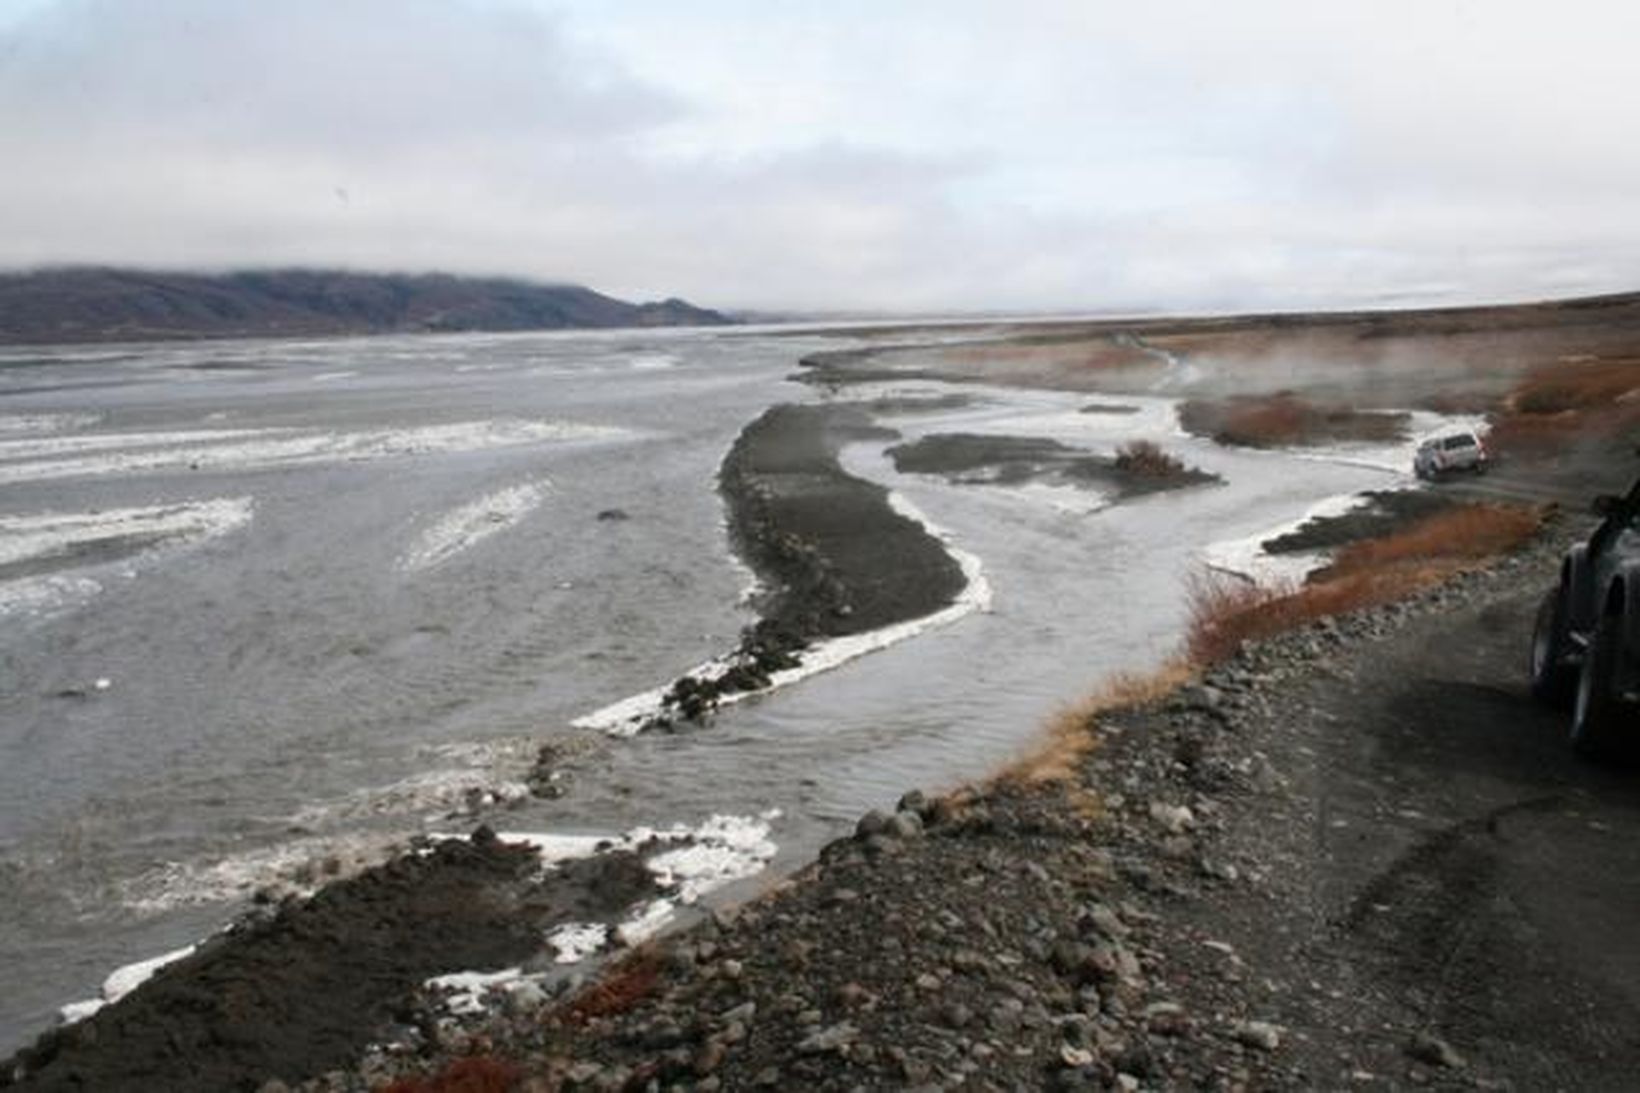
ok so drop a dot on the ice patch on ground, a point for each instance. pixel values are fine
(467, 526)
(1247, 557)
(121, 982)
(719, 851)
(328, 377)
(464, 991)
(272, 448)
(575, 941)
(628, 716)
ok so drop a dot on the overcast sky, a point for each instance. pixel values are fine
(1049, 155)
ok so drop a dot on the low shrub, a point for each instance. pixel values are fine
(1146, 459)
(621, 988)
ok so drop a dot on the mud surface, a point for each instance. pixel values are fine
(301, 988)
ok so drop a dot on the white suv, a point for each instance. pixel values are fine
(1453, 452)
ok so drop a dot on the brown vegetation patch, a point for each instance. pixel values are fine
(1459, 534)
(1285, 420)
(622, 987)
(1556, 406)
(1146, 459)
(1069, 735)
(1226, 612)
(475, 1074)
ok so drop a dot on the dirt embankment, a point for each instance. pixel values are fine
(299, 989)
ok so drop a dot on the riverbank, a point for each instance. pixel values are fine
(1141, 924)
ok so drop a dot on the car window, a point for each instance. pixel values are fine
(1458, 442)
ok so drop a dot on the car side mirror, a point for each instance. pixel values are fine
(1605, 504)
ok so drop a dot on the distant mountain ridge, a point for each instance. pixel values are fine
(80, 304)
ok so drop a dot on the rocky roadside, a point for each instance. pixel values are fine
(1140, 929)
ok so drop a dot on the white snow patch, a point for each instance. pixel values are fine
(464, 991)
(467, 526)
(328, 377)
(648, 922)
(724, 849)
(575, 941)
(121, 982)
(628, 716)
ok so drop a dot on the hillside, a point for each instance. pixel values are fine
(85, 304)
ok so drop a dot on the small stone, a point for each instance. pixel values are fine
(1427, 1048)
(1104, 919)
(928, 981)
(709, 1058)
(1073, 1056)
(914, 801)
(1175, 819)
(832, 1038)
(582, 1073)
(731, 969)
(872, 823)
(851, 994)
(1257, 1034)
(743, 1012)
(905, 825)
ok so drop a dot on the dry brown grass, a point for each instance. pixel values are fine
(475, 1074)
(619, 989)
(1577, 385)
(1070, 734)
(1556, 406)
(1283, 420)
(1227, 612)
(1146, 459)
(1464, 533)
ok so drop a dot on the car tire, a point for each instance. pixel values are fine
(1597, 711)
(1553, 680)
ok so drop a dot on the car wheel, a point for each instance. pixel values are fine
(1598, 710)
(1553, 680)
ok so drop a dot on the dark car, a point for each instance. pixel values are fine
(1586, 644)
